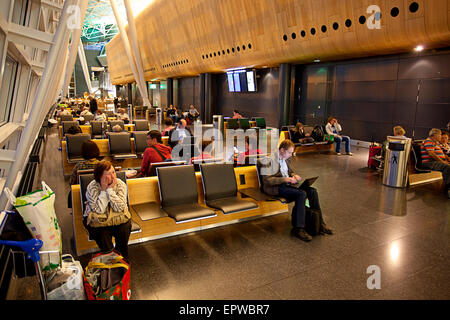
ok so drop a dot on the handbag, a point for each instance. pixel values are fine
(108, 219)
(107, 277)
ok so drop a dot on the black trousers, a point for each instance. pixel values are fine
(103, 237)
(299, 196)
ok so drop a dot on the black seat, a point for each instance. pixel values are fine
(66, 117)
(67, 124)
(219, 185)
(417, 153)
(120, 145)
(179, 196)
(259, 194)
(260, 123)
(244, 124)
(88, 118)
(73, 146)
(109, 113)
(98, 129)
(155, 165)
(198, 162)
(85, 179)
(113, 123)
(232, 124)
(140, 142)
(252, 159)
(141, 125)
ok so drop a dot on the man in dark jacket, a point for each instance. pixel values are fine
(156, 152)
(280, 183)
(93, 105)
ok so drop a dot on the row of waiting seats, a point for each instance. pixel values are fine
(98, 128)
(179, 200)
(87, 117)
(179, 196)
(119, 144)
(244, 123)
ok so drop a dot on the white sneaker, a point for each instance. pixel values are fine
(338, 153)
(349, 154)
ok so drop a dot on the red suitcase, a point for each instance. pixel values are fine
(374, 151)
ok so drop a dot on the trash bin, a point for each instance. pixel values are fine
(396, 162)
(159, 119)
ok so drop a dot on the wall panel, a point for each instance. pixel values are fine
(189, 37)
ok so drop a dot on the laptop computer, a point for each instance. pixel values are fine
(304, 183)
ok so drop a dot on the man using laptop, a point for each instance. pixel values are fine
(284, 182)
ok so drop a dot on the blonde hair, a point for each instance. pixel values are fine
(434, 132)
(398, 130)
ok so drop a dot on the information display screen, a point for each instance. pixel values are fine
(241, 81)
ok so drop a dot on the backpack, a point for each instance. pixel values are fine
(312, 222)
(317, 134)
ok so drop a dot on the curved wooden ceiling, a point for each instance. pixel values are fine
(187, 37)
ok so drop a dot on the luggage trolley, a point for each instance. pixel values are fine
(31, 248)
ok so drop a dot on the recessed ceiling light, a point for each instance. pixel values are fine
(317, 60)
(418, 48)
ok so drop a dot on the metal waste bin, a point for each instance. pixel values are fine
(159, 119)
(396, 162)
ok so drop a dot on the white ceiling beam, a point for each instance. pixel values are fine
(29, 37)
(51, 5)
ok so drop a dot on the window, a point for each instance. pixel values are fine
(7, 90)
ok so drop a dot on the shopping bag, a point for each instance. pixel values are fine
(38, 212)
(66, 282)
(107, 277)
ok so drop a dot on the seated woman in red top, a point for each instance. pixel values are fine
(236, 114)
(156, 152)
(249, 150)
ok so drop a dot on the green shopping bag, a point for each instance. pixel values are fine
(38, 212)
(329, 138)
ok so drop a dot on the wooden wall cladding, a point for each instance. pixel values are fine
(187, 37)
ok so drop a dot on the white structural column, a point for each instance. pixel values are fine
(126, 44)
(136, 51)
(39, 109)
(84, 66)
(73, 50)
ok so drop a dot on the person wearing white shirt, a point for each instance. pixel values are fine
(122, 115)
(100, 116)
(333, 128)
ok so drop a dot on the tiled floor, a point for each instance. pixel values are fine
(403, 232)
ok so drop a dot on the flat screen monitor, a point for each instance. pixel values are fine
(237, 82)
(230, 82)
(243, 80)
(251, 81)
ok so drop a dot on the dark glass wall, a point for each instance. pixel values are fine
(263, 103)
(188, 93)
(370, 96)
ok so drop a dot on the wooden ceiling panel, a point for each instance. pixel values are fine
(188, 37)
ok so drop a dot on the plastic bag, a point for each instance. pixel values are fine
(38, 212)
(70, 275)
